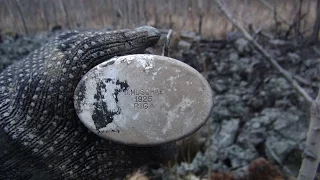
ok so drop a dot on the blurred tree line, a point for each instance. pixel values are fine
(201, 16)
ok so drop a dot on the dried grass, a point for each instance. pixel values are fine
(41, 15)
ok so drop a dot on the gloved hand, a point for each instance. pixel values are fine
(41, 136)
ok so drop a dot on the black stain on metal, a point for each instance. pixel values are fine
(123, 87)
(101, 115)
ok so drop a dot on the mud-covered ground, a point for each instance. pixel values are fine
(256, 112)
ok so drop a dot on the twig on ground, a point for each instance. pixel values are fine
(311, 153)
(302, 81)
(165, 50)
(316, 50)
(276, 158)
(266, 55)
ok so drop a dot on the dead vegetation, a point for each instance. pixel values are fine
(201, 16)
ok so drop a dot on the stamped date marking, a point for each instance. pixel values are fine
(143, 98)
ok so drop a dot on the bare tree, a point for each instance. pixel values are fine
(269, 6)
(145, 12)
(169, 12)
(11, 14)
(201, 14)
(84, 14)
(297, 26)
(55, 14)
(65, 12)
(22, 16)
(126, 10)
(155, 10)
(115, 10)
(316, 26)
(44, 15)
(137, 4)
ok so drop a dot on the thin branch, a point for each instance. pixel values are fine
(311, 154)
(294, 25)
(269, 6)
(165, 50)
(266, 55)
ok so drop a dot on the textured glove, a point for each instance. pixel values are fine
(41, 136)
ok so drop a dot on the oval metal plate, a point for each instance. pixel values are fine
(143, 99)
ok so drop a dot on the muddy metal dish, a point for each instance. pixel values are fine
(143, 99)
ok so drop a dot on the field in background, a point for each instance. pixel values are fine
(32, 16)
